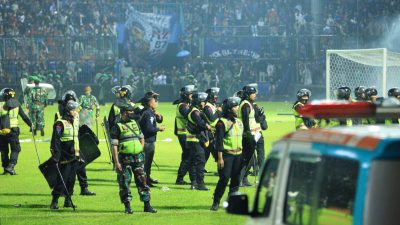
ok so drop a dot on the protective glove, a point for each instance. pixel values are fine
(5, 131)
(248, 135)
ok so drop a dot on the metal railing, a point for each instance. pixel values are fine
(58, 48)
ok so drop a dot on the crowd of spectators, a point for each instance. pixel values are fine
(285, 24)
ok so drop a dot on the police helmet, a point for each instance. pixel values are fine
(69, 95)
(124, 105)
(394, 92)
(359, 92)
(371, 92)
(238, 94)
(303, 92)
(124, 92)
(343, 93)
(229, 103)
(7, 93)
(71, 105)
(250, 89)
(212, 93)
(199, 97)
(186, 91)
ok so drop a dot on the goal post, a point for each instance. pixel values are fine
(362, 67)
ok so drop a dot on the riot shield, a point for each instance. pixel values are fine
(89, 149)
(107, 136)
(49, 171)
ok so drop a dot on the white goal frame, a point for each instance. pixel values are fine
(362, 67)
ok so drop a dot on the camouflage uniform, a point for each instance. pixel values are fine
(87, 103)
(37, 101)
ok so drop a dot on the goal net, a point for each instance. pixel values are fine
(362, 67)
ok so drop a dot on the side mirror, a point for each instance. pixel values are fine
(237, 204)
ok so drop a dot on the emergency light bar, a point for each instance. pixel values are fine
(342, 109)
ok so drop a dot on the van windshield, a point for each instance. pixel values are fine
(320, 190)
(265, 190)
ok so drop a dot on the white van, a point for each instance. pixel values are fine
(341, 175)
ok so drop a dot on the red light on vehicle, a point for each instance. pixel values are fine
(338, 110)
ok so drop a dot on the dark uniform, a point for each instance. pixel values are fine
(228, 138)
(128, 142)
(195, 139)
(65, 151)
(81, 171)
(182, 110)
(393, 93)
(10, 109)
(251, 129)
(148, 124)
(212, 115)
(360, 96)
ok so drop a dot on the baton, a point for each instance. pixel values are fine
(65, 186)
(156, 164)
(97, 127)
(108, 146)
(34, 143)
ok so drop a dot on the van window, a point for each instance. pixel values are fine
(320, 190)
(265, 190)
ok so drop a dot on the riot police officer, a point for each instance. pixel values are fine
(302, 123)
(65, 152)
(128, 142)
(195, 140)
(343, 94)
(122, 94)
(10, 109)
(81, 171)
(359, 93)
(372, 96)
(228, 138)
(252, 137)
(393, 93)
(212, 113)
(182, 110)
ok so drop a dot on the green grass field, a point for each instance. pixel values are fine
(25, 198)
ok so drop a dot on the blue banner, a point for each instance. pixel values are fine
(148, 35)
(246, 47)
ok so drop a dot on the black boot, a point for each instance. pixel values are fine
(148, 208)
(215, 205)
(54, 203)
(194, 185)
(128, 209)
(202, 187)
(181, 182)
(68, 203)
(42, 132)
(85, 191)
(10, 169)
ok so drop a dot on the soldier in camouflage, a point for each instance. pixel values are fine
(37, 102)
(87, 103)
(128, 141)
